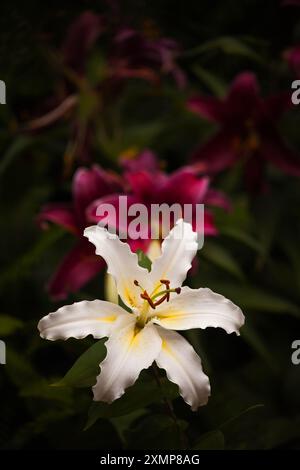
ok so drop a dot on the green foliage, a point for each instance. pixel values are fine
(142, 394)
(85, 370)
(143, 260)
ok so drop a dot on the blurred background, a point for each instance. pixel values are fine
(194, 93)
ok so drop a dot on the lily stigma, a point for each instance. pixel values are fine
(156, 306)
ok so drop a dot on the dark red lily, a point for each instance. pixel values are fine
(132, 53)
(247, 131)
(81, 264)
(136, 55)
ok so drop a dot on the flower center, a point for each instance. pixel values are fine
(157, 298)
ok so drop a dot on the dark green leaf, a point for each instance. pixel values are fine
(85, 370)
(140, 395)
(219, 256)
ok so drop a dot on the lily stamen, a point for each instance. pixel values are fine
(147, 297)
(167, 284)
(164, 294)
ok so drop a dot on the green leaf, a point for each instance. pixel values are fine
(143, 260)
(41, 389)
(253, 298)
(9, 325)
(241, 236)
(256, 299)
(250, 335)
(85, 370)
(228, 45)
(140, 395)
(213, 440)
(219, 256)
(211, 81)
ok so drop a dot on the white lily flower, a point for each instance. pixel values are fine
(158, 306)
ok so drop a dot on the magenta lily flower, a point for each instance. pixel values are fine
(247, 131)
(81, 264)
(147, 184)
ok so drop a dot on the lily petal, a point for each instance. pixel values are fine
(122, 264)
(96, 318)
(178, 250)
(185, 187)
(274, 149)
(206, 106)
(90, 184)
(200, 308)
(129, 351)
(143, 161)
(78, 267)
(217, 153)
(60, 214)
(183, 367)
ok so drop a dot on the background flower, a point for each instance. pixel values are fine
(248, 132)
(80, 264)
(147, 184)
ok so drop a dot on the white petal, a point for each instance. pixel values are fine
(97, 318)
(122, 264)
(128, 352)
(183, 367)
(199, 308)
(178, 250)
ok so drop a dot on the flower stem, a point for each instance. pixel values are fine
(169, 408)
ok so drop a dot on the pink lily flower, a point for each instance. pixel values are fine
(81, 264)
(247, 130)
(147, 184)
